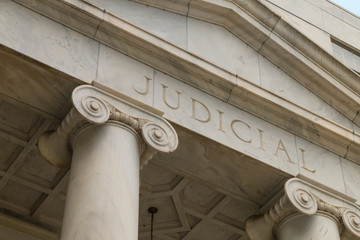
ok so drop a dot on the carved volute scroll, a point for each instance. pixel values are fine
(351, 221)
(156, 137)
(92, 105)
(54, 146)
(304, 198)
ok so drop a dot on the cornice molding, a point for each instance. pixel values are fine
(304, 198)
(281, 43)
(257, 29)
(94, 106)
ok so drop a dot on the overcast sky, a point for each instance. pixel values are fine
(351, 5)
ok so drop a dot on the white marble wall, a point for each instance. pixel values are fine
(125, 75)
(324, 16)
(169, 26)
(47, 41)
(317, 19)
(351, 173)
(275, 80)
(220, 47)
(309, 29)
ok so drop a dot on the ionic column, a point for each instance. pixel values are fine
(106, 147)
(306, 212)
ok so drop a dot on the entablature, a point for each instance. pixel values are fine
(257, 26)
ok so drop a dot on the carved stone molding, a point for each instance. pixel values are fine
(94, 106)
(304, 198)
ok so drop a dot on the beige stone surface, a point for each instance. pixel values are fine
(227, 51)
(302, 23)
(326, 16)
(169, 26)
(58, 46)
(125, 75)
(308, 11)
(280, 83)
(352, 19)
(351, 178)
(341, 30)
(328, 6)
(320, 165)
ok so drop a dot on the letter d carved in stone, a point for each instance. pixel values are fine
(195, 114)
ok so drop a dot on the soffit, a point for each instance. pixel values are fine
(34, 86)
(33, 192)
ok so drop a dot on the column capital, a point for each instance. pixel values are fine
(95, 106)
(308, 199)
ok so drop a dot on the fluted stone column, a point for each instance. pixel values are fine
(107, 148)
(307, 212)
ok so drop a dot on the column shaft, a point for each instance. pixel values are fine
(320, 226)
(103, 194)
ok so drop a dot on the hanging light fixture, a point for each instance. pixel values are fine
(152, 211)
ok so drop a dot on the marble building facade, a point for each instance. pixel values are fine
(236, 119)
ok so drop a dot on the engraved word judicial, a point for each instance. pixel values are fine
(244, 132)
